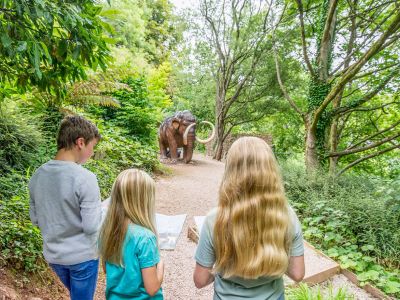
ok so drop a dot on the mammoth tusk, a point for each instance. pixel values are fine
(186, 133)
(212, 134)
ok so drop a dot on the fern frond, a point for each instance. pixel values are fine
(102, 100)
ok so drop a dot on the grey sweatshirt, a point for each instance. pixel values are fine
(65, 204)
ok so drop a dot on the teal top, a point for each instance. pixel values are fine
(235, 288)
(140, 251)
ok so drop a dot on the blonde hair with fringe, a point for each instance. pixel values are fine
(252, 230)
(132, 201)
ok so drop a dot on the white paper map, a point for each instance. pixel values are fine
(168, 227)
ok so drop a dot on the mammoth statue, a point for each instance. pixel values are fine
(179, 131)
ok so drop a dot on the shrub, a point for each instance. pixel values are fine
(372, 215)
(20, 241)
(12, 184)
(355, 219)
(117, 152)
(137, 115)
(19, 140)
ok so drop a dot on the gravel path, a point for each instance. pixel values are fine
(192, 189)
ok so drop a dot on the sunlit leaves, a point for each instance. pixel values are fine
(46, 43)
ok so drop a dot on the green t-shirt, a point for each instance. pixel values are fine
(139, 251)
(262, 288)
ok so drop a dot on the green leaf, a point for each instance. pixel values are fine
(367, 248)
(21, 46)
(76, 52)
(5, 40)
(392, 287)
(62, 48)
(36, 60)
(46, 52)
(110, 13)
(369, 275)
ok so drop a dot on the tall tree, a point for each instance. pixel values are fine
(239, 34)
(48, 43)
(147, 28)
(350, 53)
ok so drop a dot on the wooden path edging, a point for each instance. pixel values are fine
(325, 274)
(369, 288)
(374, 291)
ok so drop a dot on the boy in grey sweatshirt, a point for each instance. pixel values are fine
(65, 204)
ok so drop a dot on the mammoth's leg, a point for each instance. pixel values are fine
(173, 151)
(163, 150)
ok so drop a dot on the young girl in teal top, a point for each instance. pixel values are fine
(128, 242)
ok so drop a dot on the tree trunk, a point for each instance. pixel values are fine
(220, 139)
(333, 136)
(219, 121)
(311, 156)
(320, 88)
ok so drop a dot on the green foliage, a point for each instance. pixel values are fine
(19, 140)
(136, 112)
(44, 51)
(117, 152)
(12, 184)
(146, 28)
(367, 122)
(140, 107)
(46, 43)
(353, 219)
(304, 292)
(158, 83)
(20, 241)
(317, 93)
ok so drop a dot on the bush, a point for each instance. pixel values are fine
(115, 153)
(137, 114)
(12, 184)
(20, 241)
(19, 140)
(355, 219)
(372, 215)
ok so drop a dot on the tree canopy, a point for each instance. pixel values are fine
(48, 43)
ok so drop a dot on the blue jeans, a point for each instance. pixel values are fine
(79, 279)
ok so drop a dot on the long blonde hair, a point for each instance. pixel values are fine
(252, 229)
(132, 201)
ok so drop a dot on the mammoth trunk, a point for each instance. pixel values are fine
(188, 149)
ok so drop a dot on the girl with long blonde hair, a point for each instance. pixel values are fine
(253, 237)
(128, 239)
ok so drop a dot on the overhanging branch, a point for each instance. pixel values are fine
(284, 91)
(368, 96)
(303, 37)
(353, 69)
(360, 149)
(367, 157)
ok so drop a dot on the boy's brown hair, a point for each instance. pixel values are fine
(73, 127)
